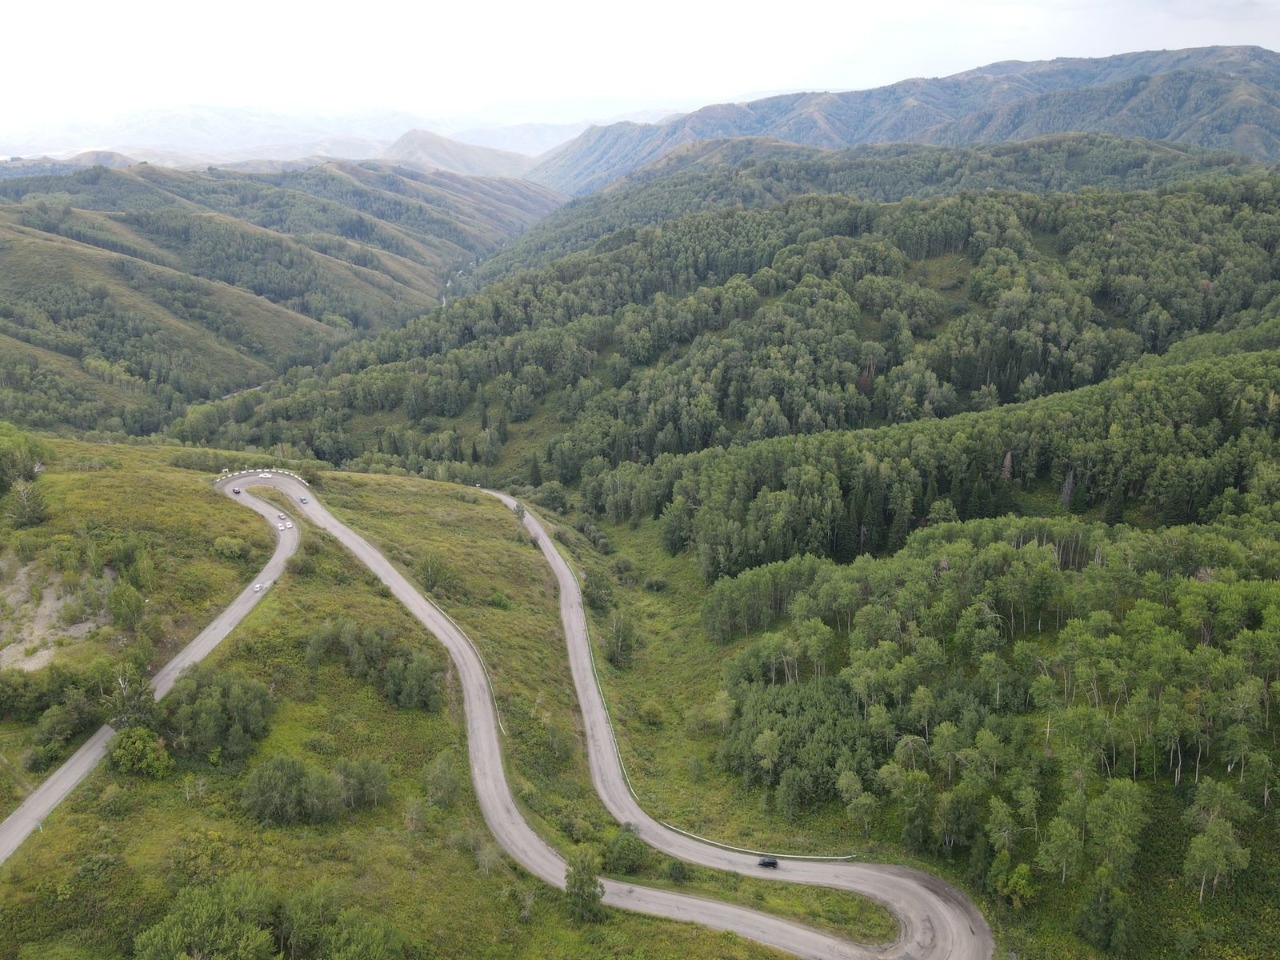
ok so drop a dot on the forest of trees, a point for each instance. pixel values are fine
(969, 455)
(753, 174)
(1012, 692)
(1166, 440)
(819, 314)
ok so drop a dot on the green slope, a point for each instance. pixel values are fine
(191, 286)
(759, 172)
(415, 873)
(815, 314)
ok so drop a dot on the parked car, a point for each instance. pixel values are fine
(767, 862)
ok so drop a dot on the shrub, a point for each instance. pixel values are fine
(362, 783)
(125, 605)
(597, 591)
(211, 708)
(26, 505)
(625, 852)
(141, 752)
(283, 790)
(440, 780)
(678, 871)
(551, 495)
(231, 548)
(583, 888)
(438, 577)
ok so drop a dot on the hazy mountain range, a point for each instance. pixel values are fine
(1221, 97)
(1224, 98)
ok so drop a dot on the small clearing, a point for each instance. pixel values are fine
(32, 629)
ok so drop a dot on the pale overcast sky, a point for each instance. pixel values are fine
(555, 61)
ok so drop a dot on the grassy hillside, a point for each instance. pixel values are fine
(161, 288)
(418, 864)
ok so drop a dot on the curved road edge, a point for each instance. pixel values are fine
(933, 915)
(498, 806)
(58, 785)
(936, 920)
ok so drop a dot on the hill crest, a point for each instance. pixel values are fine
(431, 151)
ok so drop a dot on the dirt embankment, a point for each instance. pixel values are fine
(37, 617)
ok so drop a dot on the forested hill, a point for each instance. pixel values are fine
(945, 479)
(820, 313)
(976, 491)
(127, 294)
(1221, 97)
(755, 173)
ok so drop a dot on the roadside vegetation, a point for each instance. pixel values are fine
(102, 584)
(1097, 795)
(939, 530)
(286, 757)
(474, 560)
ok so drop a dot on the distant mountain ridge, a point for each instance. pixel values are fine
(431, 151)
(48, 166)
(1220, 97)
(220, 134)
(530, 139)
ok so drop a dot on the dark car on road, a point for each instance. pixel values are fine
(767, 862)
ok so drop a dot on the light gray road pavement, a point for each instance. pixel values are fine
(937, 922)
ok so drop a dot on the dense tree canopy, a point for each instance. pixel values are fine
(816, 315)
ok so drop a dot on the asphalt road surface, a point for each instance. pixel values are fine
(936, 921)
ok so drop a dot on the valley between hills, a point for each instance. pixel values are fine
(912, 453)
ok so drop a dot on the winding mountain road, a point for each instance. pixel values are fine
(936, 921)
